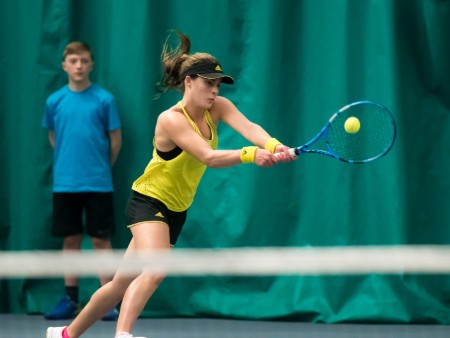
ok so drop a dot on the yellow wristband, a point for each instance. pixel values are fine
(272, 144)
(248, 154)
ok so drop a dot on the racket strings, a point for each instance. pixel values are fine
(374, 138)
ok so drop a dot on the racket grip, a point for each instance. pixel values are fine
(292, 153)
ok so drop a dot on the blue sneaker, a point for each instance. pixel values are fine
(64, 309)
(111, 316)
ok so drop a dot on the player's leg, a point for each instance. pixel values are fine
(154, 227)
(105, 298)
(134, 288)
(147, 236)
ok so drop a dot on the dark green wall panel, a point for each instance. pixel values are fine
(295, 63)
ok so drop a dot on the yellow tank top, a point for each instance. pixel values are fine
(175, 182)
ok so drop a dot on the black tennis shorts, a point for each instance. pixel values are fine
(141, 208)
(95, 208)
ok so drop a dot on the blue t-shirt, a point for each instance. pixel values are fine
(81, 122)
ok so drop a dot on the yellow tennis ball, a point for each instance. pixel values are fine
(352, 125)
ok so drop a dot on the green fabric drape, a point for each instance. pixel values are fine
(295, 63)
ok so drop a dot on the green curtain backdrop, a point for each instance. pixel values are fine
(295, 63)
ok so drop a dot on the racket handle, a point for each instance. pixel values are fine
(292, 153)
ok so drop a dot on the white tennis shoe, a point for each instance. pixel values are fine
(55, 332)
(125, 335)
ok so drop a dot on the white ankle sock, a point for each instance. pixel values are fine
(124, 335)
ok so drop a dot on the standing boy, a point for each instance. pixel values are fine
(84, 131)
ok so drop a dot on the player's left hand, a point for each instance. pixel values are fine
(282, 153)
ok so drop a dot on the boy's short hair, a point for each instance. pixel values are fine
(77, 47)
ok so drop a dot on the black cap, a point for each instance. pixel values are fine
(208, 71)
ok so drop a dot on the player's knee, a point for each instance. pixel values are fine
(153, 278)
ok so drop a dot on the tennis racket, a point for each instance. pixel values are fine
(368, 135)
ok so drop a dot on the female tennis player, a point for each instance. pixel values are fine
(185, 143)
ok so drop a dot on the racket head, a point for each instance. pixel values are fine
(375, 137)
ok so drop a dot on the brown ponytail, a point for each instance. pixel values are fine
(175, 61)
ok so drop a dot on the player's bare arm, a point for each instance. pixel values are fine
(229, 114)
(254, 133)
(173, 129)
